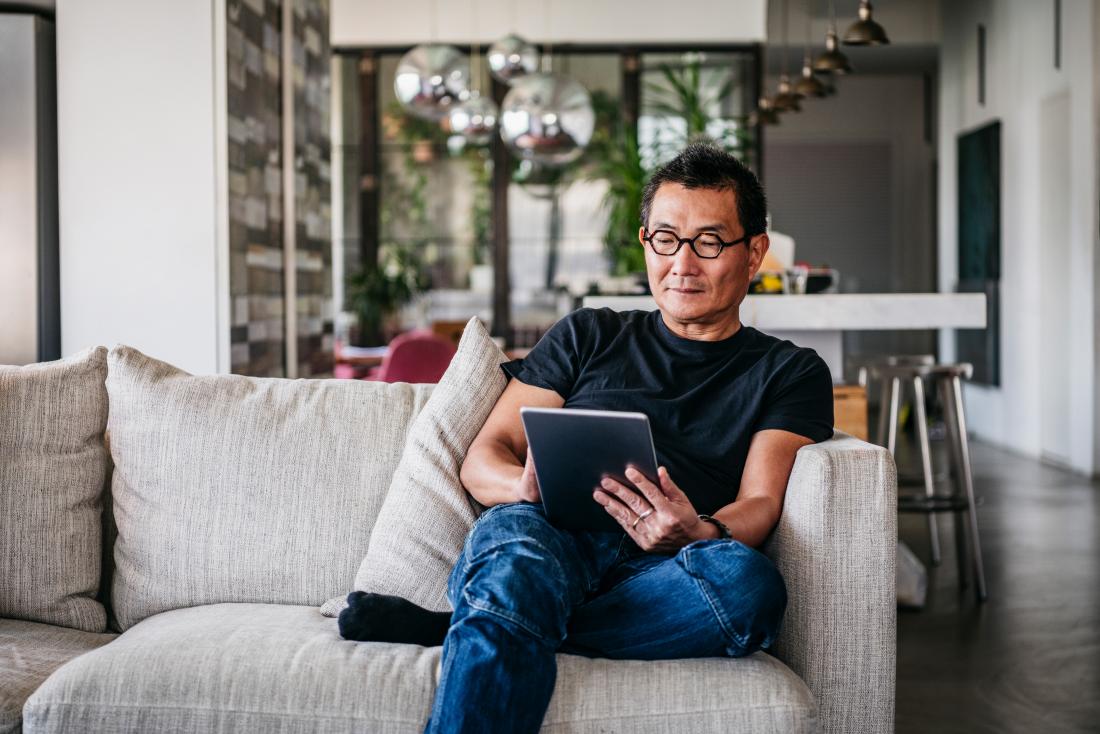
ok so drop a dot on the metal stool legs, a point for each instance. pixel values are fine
(961, 502)
(951, 391)
(926, 467)
(888, 433)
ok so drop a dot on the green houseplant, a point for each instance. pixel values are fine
(615, 155)
(376, 293)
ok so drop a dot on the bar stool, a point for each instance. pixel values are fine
(949, 380)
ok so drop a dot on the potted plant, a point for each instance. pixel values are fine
(375, 294)
(615, 155)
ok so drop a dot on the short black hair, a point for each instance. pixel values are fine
(706, 166)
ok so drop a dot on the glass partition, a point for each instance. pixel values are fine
(413, 197)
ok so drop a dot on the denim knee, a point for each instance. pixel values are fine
(511, 568)
(743, 588)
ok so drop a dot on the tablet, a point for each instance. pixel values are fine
(574, 449)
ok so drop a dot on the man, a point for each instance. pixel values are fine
(729, 408)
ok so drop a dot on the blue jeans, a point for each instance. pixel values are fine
(523, 590)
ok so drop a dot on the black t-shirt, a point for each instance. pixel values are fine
(704, 399)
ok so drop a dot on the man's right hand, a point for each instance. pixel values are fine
(527, 486)
(489, 470)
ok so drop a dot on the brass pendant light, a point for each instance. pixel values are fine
(808, 85)
(832, 61)
(764, 114)
(785, 99)
(865, 31)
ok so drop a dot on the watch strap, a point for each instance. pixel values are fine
(723, 531)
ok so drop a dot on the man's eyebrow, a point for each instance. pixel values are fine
(705, 228)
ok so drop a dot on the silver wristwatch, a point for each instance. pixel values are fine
(723, 531)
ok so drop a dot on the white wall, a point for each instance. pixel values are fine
(137, 146)
(399, 22)
(1021, 83)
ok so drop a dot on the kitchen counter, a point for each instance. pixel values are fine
(819, 320)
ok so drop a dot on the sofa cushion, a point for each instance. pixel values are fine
(29, 652)
(426, 514)
(270, 668)
(229, 488)
(53, 468)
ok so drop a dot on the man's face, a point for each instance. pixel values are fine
(690, 289)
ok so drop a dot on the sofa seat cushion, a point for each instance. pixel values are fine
(29, 652)
(274, 668)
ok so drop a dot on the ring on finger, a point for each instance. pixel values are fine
(641, 517)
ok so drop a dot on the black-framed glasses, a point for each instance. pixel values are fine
(706, 245)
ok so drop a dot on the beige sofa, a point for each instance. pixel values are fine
(233, 507)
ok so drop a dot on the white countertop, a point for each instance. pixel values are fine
(842, 311)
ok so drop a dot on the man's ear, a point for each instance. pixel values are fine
(641, 235)
(758, 247)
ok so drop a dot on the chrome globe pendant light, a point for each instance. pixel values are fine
(808, 85)
(474, 117)
(832, 61)
(431, 77)
(785, 99)
(512, 57)
(547, 118)
(865, 31)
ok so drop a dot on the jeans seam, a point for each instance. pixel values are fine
(688, 566)
(499, 611)
(515, 619)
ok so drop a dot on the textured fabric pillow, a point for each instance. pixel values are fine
(427, 513)
(53, 469)
(229, 488)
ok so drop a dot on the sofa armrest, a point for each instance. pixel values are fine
(835, 545)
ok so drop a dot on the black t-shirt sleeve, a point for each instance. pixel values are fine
(802, 401)
(554, 363)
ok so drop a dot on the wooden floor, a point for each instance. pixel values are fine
(1028, 660)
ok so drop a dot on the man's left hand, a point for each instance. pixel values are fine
(670, 521)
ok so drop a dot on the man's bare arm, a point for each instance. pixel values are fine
(763, 484)
(494, 469)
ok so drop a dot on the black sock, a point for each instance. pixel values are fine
(385, 618)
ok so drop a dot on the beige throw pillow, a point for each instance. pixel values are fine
(229, 488)
(426, 514)
(53, 470)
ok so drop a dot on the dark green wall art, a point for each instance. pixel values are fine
(979, 186)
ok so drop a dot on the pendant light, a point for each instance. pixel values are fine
(785, 99)
(547, 118)
(808, 85)
(832, 61)
(865, 31)
(431, 78)
(475, 117)
(512, 57)
(765, 113)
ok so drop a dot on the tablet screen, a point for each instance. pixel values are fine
(574, 449)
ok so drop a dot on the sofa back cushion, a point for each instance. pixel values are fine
(229, 488)
(53, 465)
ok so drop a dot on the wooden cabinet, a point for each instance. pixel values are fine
(850, 410)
